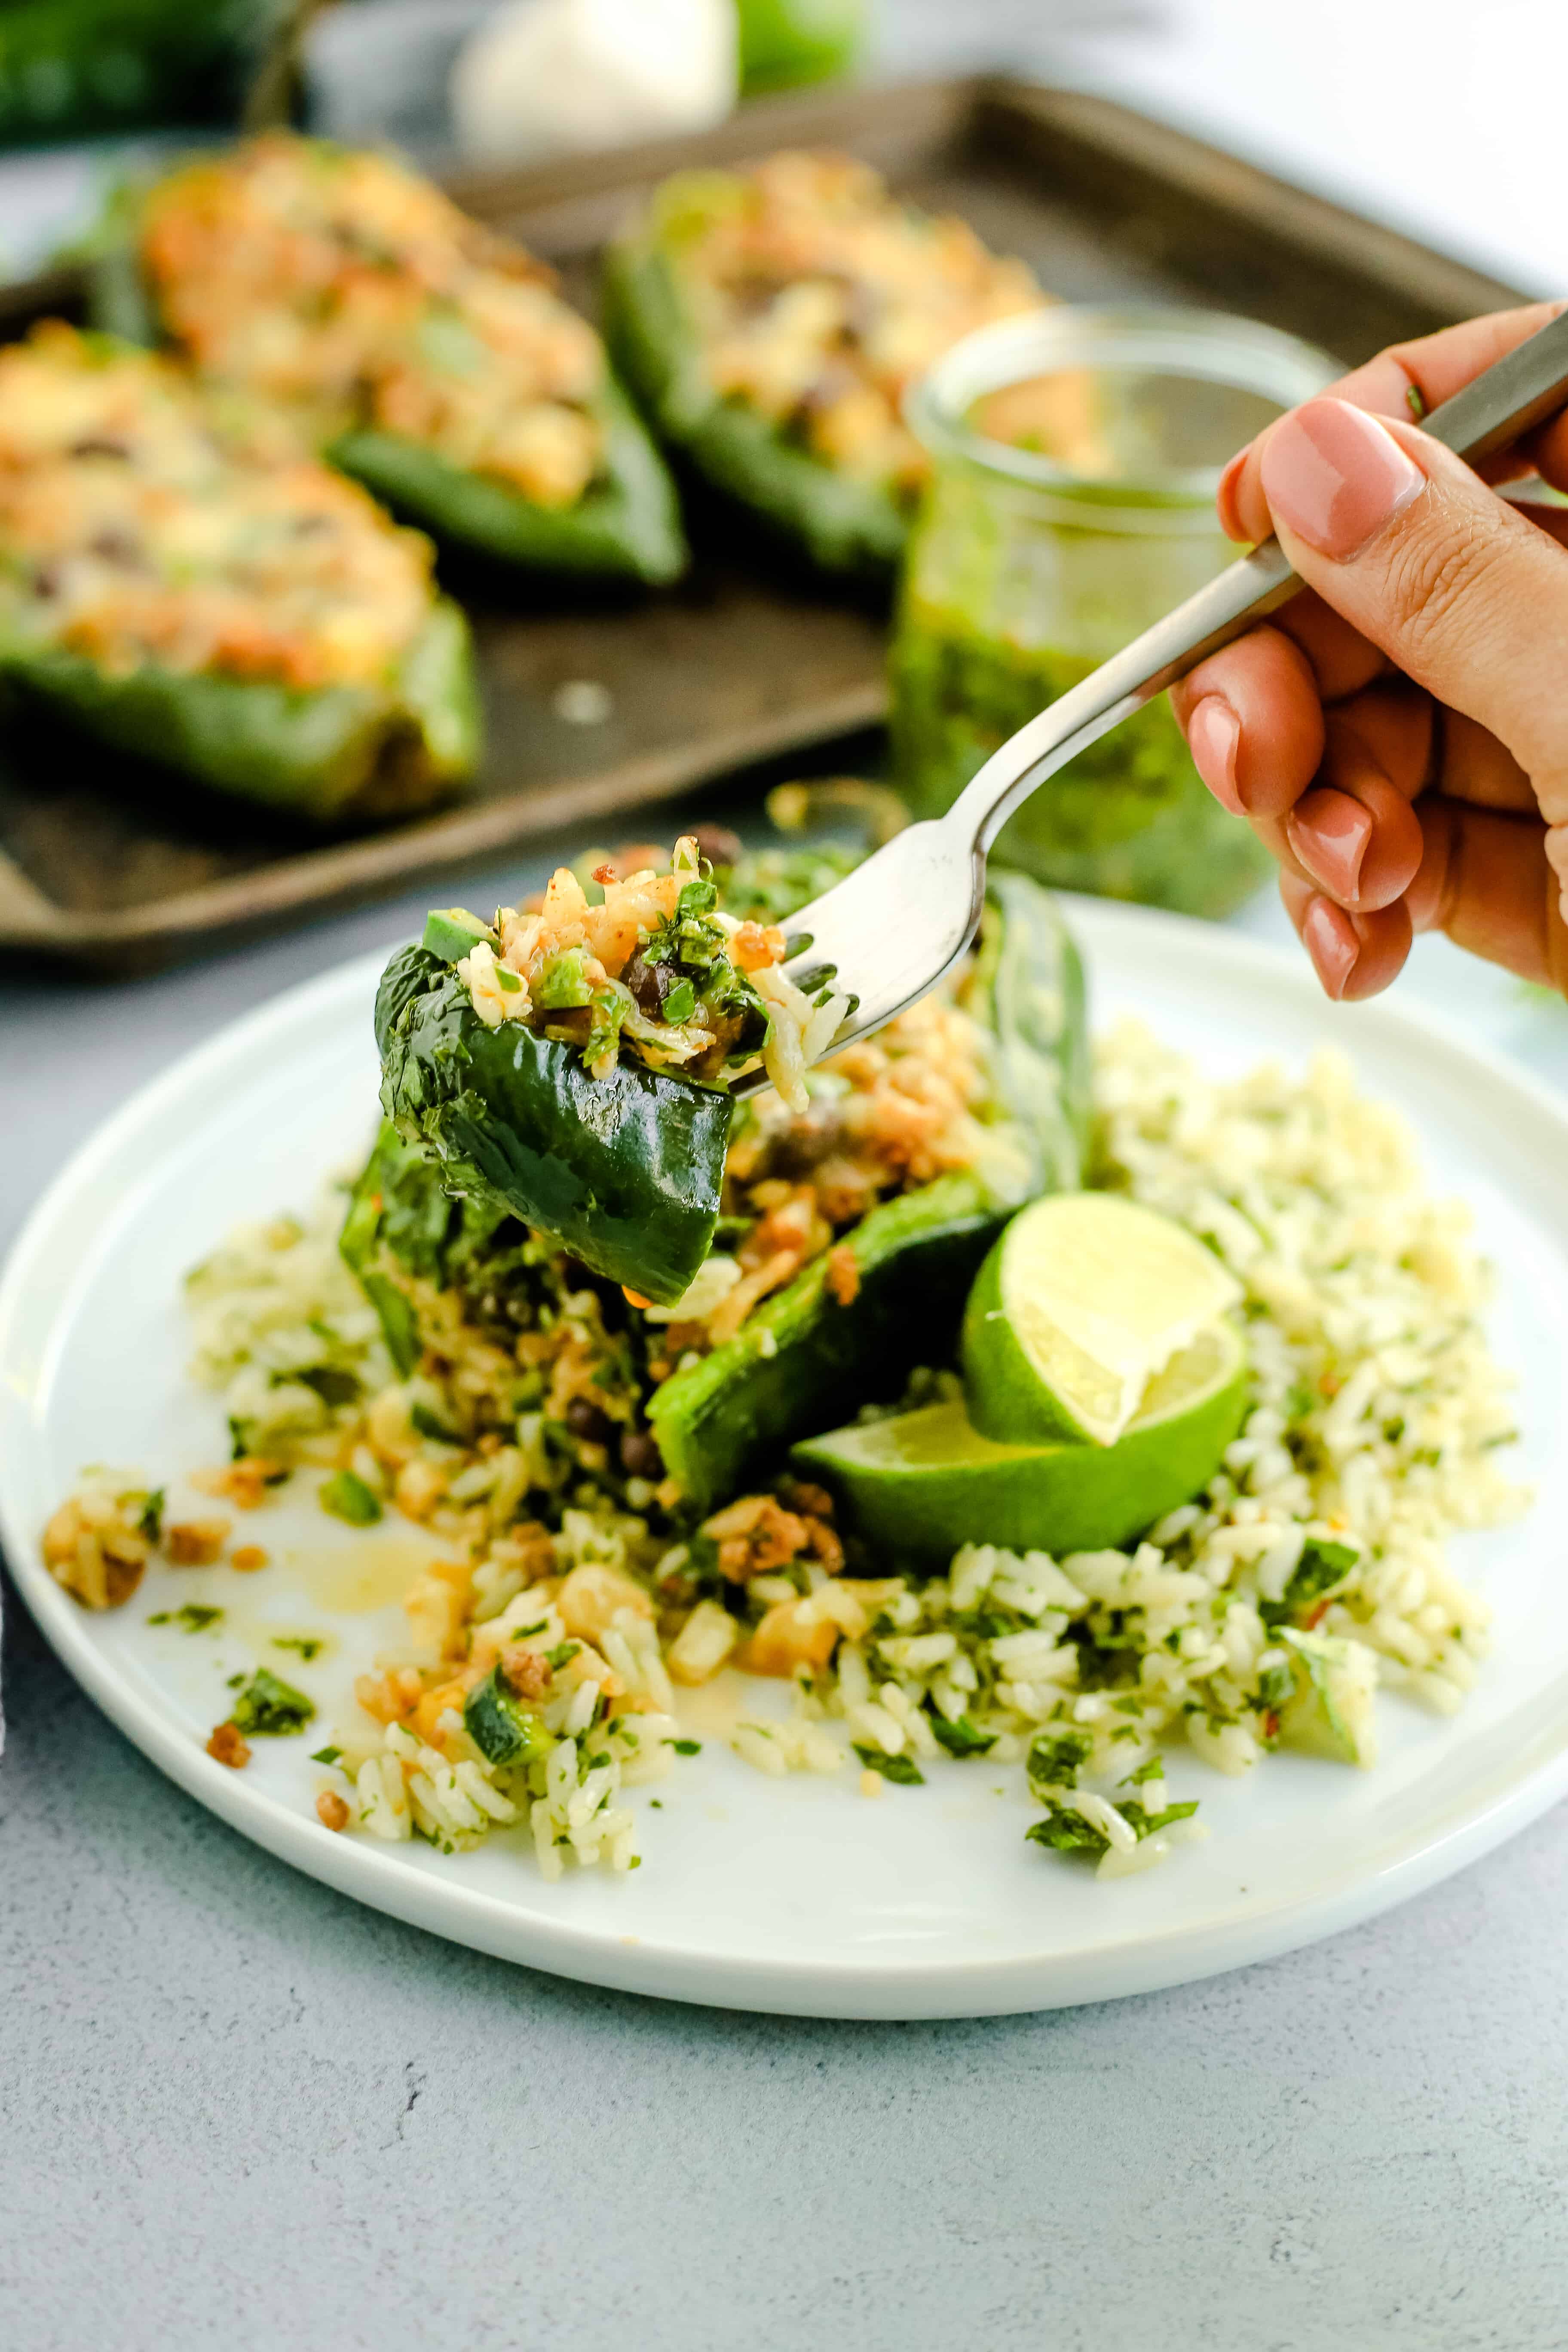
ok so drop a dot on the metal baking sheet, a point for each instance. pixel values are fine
(746, 660)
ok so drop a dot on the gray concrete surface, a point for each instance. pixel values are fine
(237, 2109)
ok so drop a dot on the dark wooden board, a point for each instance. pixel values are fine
(743, 661)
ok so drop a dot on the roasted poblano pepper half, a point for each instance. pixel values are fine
(184, 590)
(843, 523)
(625, 525)
(802, 1361)
(628, 525)
(324, 753)
(625, 1171)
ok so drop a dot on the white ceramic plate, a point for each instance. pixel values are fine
(796, 1895)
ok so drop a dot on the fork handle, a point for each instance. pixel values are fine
(1515, 394)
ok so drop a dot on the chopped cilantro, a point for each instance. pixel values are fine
(325, 1755)
(1275, 1684)
(348, 1497)
(902, 1768)
(190, 1617)
(430, 1424)
(1067, 1833)
(1056, 1758)
(269, 1708)
(1321, 1567)
(306, 1645)
(1145, 1824)
(330, 1382)
(686, 1747)
(962, 1737)
(558, 1656)
(149, 1521)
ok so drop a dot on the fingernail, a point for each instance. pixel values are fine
(1214, 735)
(1328, 938)
(1230, 521)
(1335, 477)
(1329, 833)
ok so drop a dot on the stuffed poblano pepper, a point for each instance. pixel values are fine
(844, 1215)
(180, 584)
(768, 320)
(424, 355)
(573, 1061)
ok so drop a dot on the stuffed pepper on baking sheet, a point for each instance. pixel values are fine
(430, 358)
(178, 582)
(769, 319)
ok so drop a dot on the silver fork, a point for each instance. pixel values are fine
(890, 931)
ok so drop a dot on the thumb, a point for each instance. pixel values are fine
(1459, 590)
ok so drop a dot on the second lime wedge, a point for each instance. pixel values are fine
(919, 1485)
(1083, 1301)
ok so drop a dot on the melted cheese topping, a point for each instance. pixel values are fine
(136, 525)
(819, 297)
(343, 284)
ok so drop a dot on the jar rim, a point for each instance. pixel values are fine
(1211, 346)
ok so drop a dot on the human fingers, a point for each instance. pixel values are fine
(1492, 880)
(1354, 955)
(1355, 832)
(1460, 591)
(1406, 382)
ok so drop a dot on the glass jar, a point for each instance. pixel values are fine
(1074, 457)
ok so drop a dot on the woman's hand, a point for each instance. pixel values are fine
(1398, 735)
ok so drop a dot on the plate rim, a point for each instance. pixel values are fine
(1508, 1800)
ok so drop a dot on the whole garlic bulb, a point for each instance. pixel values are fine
(543, 77)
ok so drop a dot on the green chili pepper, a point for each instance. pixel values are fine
(802, 1359)
(625, 1171)
(845, 525)
(322, 753)
(626, 525)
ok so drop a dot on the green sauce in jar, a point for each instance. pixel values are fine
(1129, 818)
(1070, 505)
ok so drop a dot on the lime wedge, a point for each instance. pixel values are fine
(919, 1485)
(1083, 1300)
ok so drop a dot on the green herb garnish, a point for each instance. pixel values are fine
(962, 1737)
(348, 1497)
(902, 1768)
(1321, 1567)
(190, 1617)
(269, 1708)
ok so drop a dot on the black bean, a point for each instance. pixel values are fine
(585, 1420)
(640, 1457)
